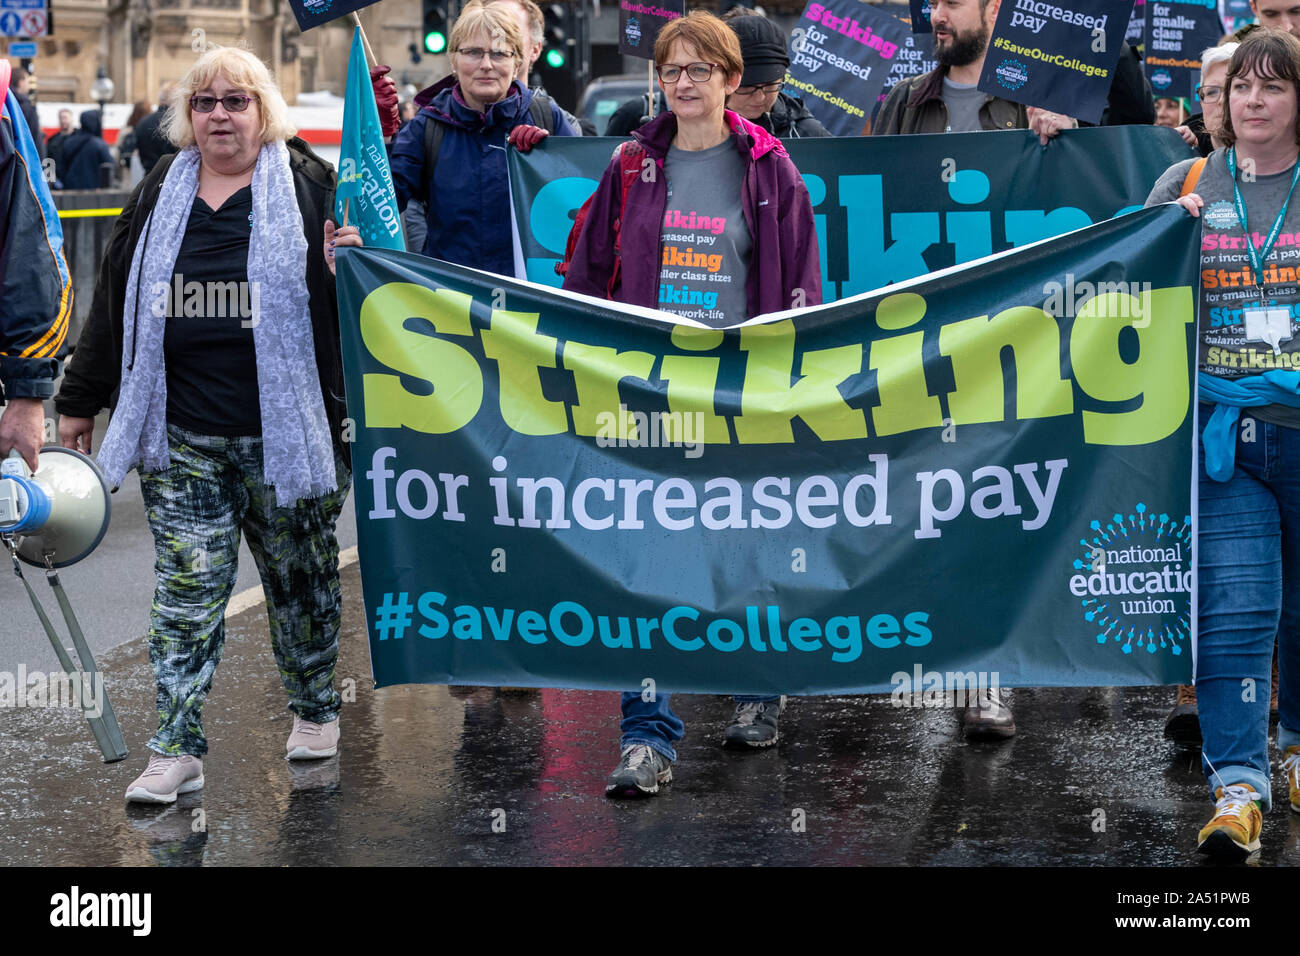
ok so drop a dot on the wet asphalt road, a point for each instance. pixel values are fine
(437, 775)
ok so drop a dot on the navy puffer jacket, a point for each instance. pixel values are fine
(468, 202)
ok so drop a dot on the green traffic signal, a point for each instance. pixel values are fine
(554, 59)
(435, 41)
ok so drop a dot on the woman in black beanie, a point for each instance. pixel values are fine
(759, 98)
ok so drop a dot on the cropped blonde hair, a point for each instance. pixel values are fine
(500, 25)
(239, 68)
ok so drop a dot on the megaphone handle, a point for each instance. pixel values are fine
(108, 718)
(102, 737)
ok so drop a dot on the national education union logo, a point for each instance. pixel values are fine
(1134, 581)
(1012, 74)
(1220, 215)
(633, 32)
(1161, 80)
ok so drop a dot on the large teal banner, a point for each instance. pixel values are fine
(891, 208)
(985, 471)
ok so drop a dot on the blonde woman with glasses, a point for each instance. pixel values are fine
(452, 157)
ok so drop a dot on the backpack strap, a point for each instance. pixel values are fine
(433, 134)
(1193, 176)
(541, 113)
(630, 157)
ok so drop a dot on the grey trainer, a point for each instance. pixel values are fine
(754, 724)
(311, 741)
(639, 773)
(165, 777)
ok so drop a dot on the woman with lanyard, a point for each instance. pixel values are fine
(1248, 559)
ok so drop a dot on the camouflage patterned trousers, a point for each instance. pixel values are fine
(196, 509)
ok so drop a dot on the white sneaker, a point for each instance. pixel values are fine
(311, 741)
(165, 777)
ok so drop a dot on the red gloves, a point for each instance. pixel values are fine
(385, 99)
(524, 138)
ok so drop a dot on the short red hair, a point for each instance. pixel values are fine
(712, 39)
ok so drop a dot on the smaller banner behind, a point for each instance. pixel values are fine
(890, 208)
(985, 472)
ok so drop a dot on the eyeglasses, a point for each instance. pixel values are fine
(476, 54)
(231, 103)
(1209, 94)
(774, 87)
(698, 72)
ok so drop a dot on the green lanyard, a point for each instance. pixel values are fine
(1259, 256)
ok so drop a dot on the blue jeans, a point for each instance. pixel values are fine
(1248, 575)
(654, 724)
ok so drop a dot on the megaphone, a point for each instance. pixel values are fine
(52, 519)
(61, 513)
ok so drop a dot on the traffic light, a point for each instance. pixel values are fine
(556, 35)
(435, 26)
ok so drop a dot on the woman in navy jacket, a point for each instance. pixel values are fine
(481, 107)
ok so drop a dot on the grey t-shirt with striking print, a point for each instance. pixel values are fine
(705, 240)
(1227, 279)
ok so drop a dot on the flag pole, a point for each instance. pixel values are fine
(364, 39)
(346, 201)
(650, 99)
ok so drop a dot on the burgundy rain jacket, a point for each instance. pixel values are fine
(784, 258)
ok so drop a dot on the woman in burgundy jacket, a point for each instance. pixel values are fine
(708, 219)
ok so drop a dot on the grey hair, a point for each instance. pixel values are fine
(1217, 54)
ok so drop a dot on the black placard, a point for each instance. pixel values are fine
(1055, 56)
(914, 58)
(1174, 35)
(841, 51)
(920, 16)
(312, 13)
(639, 23)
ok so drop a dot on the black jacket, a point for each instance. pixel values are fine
(93, 375)
(634, 114)
(1204, 144)
(150, 143)
(83, 153)
(790, 118)
(1129, 102)
(54, 150)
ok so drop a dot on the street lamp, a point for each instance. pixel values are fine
(101, 91)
